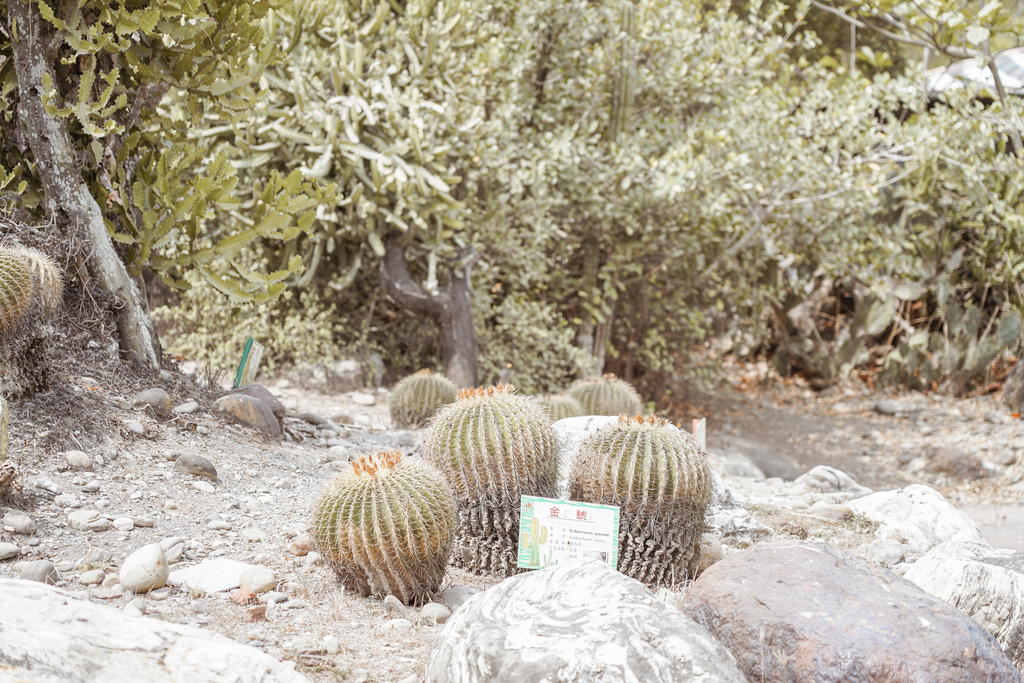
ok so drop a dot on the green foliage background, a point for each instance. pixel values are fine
(669, 172)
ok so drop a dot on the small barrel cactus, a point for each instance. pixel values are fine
(416, 398)
(493, 446)
(386, 526)
(561, 406)
(607, 395)
(30, 291)
(659, 476)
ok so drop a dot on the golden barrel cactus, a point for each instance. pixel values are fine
(386, 526)
(607, 395)
(416, 398)
(660, 478)
(561, 406)
(31, 288)
(493, 446)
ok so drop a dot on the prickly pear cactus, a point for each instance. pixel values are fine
(607, 395)
(416, 398)
(386, 526)
(30, 291)
(493, 446)
(561, 406)
(659, 476)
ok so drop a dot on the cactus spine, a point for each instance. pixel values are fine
(416, 398)
(659, 476)
(607, 395)
(386, 526)
(561, 406)
(30, 291)
(493, 446)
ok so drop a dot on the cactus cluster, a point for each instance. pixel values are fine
(607, 395)
(561, 406)
(493, 446)
(659, 476)
(30, 291)
(416, 398)
(386, 526)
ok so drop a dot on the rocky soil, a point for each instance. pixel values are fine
(257, 509)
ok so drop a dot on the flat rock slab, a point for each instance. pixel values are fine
(262, 393)
(47, 636)
(211, 576)
(812, 613)
(579, 622)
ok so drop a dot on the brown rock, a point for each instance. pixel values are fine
(244, 596)
(256, 613)
(191, 463)
(156, 401)
(262, 393)
(300, 547)
(810, 612)
(249, 411)
(955, 463)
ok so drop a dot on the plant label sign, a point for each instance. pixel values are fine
(250, 363)
(553, 531)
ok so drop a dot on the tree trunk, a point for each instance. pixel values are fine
(67, 198)
(451, 308)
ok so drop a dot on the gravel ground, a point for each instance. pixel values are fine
(266, 488)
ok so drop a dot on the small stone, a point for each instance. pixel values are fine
(258, 578)
(145, 569)
(204, 486)
(397, 625)
(173, 549)
(244, 596)
(85, 520)
(890, 407)
(66, 500)
(294, 603)
(186, 408)
(8, 550)
(134, 427)
(92, 487)
(456, 596)
(436, 612)
(142, 522)
(256, 613)
(47, 485)
(312, 418)
(200, 607)
(394, 607)
(300, 547)
(274, 597)
(19, 523)
(42, 571)
(155, 401)
(332, 645)
(132, 610)
(253, 504)
(78, 460)
(361, 399)
(160, 593)
(998, 418)
(123, 524)
(219, 525)
(253, 535)
(314, 559)
(248, 411)
(92, 577)
(111, 580)
(192, 463)
(170, 505)
(260, 392)
(1006, 458)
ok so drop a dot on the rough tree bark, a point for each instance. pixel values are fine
(66, 196)
(451, 308)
